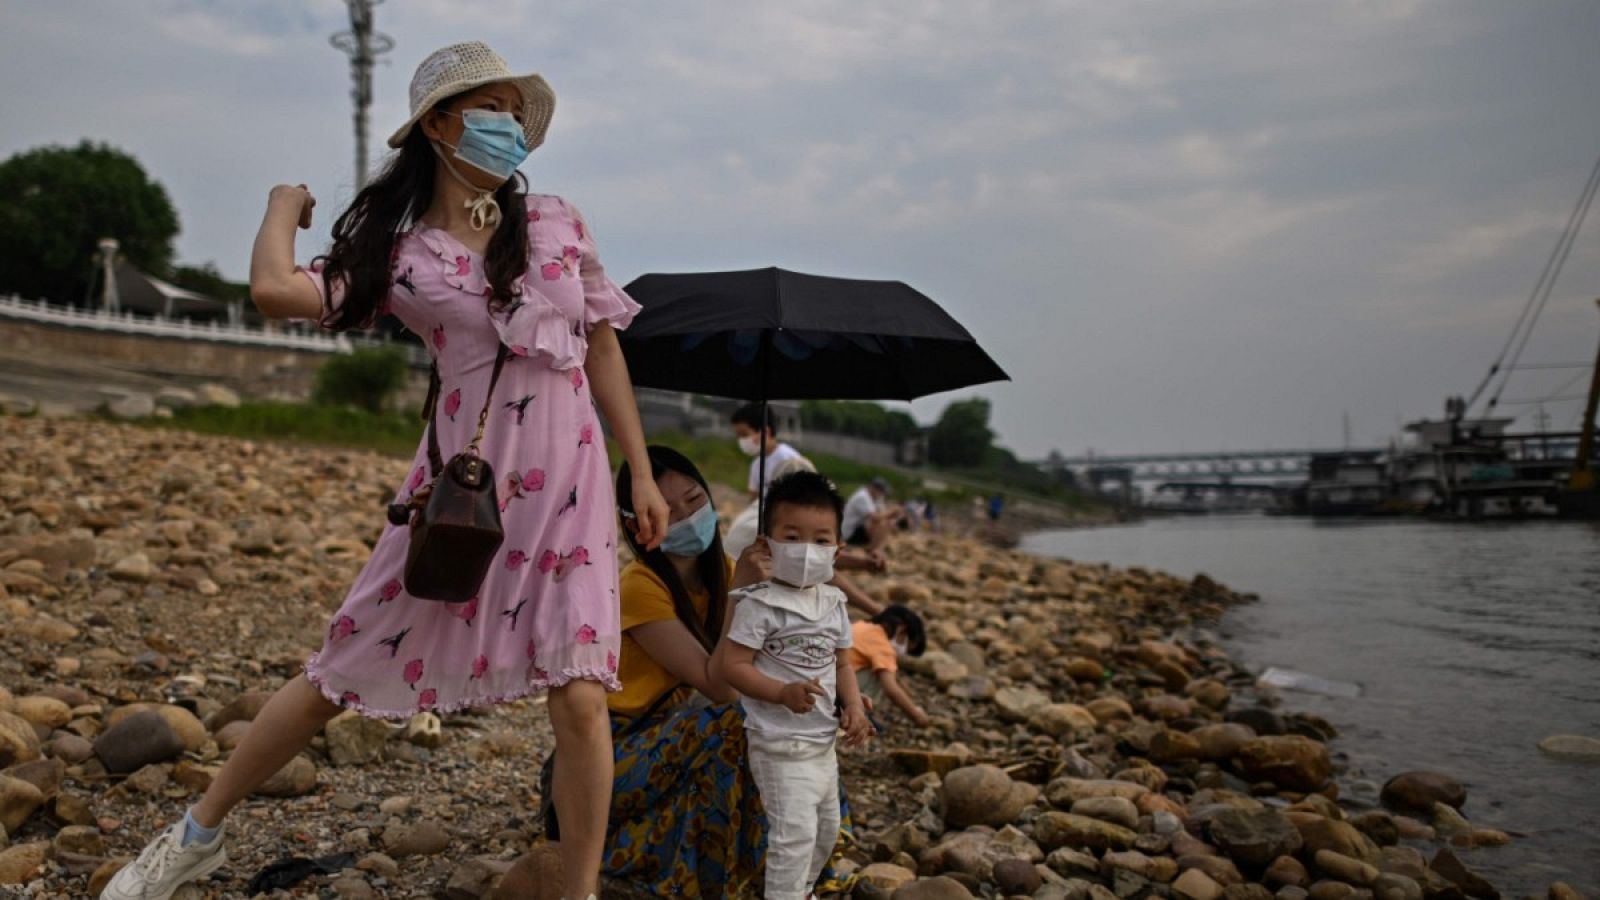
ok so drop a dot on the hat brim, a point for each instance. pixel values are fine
(539, 105)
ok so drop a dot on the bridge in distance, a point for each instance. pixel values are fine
(1219, 466)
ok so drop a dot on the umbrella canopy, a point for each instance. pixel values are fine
(770, 334)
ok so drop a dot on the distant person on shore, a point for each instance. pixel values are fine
(875, 658)
(869, 519)
(446, 238)
(997, 505)
(756, 438)
(912, 520)
(787, 653)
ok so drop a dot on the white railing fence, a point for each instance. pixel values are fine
(13, 307)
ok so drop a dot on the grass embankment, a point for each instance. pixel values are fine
(396, 433)
(392, 433)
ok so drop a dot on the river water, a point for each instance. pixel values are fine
(1470, 642)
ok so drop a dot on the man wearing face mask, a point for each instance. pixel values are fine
(756, 438)
(787, 655)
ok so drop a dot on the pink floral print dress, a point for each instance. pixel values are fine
(547, 612)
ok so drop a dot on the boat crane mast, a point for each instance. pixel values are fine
(1582, 477)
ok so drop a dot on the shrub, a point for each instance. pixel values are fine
(365, 378)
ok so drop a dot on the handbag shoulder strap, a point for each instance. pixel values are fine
(430, 412)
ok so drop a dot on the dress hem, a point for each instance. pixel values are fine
(608, 680)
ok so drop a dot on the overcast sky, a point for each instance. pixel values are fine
(1179, 226)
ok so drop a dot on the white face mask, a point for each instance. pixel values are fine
(901, 648)
(750, 445)
(802, 565)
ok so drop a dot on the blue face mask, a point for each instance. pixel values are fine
(491, 141)
(692, 536)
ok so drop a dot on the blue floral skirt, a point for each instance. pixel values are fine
(686, 817)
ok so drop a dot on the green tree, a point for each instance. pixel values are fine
(962, 437)
(206, 279)
(365, 378)
(60, 201)
(859, 418)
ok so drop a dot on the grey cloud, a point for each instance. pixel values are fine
(1181, 225)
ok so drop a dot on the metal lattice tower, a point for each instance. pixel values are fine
(363, 46)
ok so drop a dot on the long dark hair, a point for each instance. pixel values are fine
(364, 235)
(711, 563)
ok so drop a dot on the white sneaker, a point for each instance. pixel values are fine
(166, 865)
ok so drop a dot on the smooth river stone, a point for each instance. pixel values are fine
(1572, 746)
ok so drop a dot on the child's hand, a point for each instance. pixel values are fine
(801, 696)
(919, 716)
(754, 565)
(857, 727)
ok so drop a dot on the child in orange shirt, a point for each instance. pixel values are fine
(874, 656)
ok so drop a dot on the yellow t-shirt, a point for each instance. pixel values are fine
(644, 599)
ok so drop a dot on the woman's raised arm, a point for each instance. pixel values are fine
(277, 287)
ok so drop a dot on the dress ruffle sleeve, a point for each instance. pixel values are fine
(603, 299)
(333, 296)
(538, 323)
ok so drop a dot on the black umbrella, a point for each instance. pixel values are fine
(772, 334)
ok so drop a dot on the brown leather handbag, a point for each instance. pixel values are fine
(455, 520)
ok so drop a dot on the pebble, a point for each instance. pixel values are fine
(137, 741)
(20, 862)
(1286, 871)
(379, 864)
(1196, 885)
(983, 795)
(18, 800)
(297, 778)
(18, 741)
(1057, 829)
(887, 876)
(1016, 876)
(1017, 704)
(80, 839)
(353, 887)
(425, 730)
(1089, 740)
(1117, 810)
(46, 711)
(1572, 746)
(354, 739)
(1350, 871)
(1254, 837)
(1292, 762)
(1417, 792)
(423, 838)
(942, 887)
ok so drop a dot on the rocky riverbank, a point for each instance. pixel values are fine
(1089, 742)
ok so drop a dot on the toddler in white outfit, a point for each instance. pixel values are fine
(786, 655)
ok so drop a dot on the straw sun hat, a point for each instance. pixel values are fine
(462, 67)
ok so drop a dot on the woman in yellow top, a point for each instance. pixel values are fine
(686, 819)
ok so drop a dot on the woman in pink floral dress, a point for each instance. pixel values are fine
(447, 240)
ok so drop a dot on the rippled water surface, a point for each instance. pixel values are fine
(1470, 642)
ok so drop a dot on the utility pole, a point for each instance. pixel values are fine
(363, 46)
